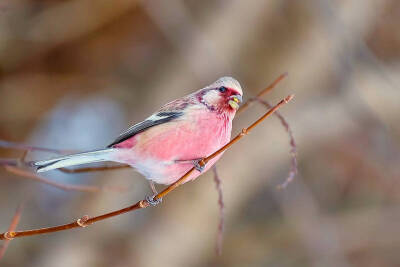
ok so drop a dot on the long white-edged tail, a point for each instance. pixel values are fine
(75, 159)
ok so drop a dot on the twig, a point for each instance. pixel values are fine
(221, 205)
(94, 169)
(14, 223)
(263, 92)
(9, 162)
(13, 166)
(65, 187)
(292, 172)
(85, 221)
(12, 145)
(293, 148)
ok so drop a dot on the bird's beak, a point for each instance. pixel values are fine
(234, 101)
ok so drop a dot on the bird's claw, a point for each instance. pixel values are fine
(199, 165)
(153, 201)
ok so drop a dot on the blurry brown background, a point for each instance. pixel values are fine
(75, 73)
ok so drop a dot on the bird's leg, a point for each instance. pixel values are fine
(197, 163)
(153, 187)
(150, 199)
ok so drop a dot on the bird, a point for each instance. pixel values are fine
(173, 140)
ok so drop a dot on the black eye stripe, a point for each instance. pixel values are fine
(222, 89)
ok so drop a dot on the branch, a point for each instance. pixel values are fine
(65, 187)
(25, 148)
(86, 220)
(94, 169)
(220, 235)
(12, 145)
(9, 162)
(14, 166)
(293, 170)
(14, 223)
(263, 92)
(293, 150)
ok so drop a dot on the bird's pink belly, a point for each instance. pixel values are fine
(157, 150)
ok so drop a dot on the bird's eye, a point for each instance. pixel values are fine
(222, 89)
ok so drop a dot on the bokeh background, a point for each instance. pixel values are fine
(75, 73)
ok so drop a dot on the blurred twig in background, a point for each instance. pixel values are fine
(293, 148)
(16, 167)
(221, 206)
(14, 223)
(62, 186)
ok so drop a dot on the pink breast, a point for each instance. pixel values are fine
(184, 140)
(154, 151)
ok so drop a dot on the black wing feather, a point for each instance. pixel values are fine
(146, 124)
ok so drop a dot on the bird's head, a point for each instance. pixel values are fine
(224, 95)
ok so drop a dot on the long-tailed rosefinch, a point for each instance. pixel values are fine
(167, 144)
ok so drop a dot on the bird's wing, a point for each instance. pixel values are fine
(167, 113)
(155, 119)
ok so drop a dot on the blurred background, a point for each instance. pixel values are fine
(76, 73)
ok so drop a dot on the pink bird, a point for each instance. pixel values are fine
(170, 142)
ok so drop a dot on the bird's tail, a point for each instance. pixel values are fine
(75, 159)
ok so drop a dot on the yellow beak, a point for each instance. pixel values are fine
(234, 101)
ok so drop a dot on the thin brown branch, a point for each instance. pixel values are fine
(262, 92)
(9, 162)
(293, 148)
(14, 166)
(221, 205)
(86, 221)
(81, 222)
(14, 223)
(94, 169)
(12, 145)
(66, 187)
